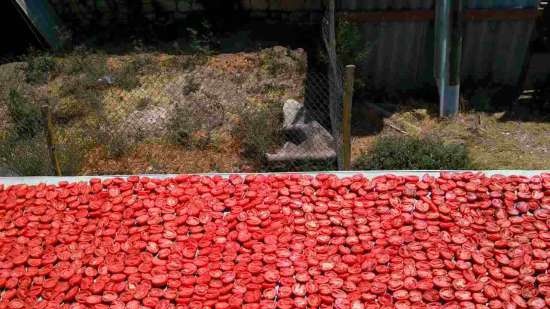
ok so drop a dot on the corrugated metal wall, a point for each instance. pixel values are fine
(495, 51)
(401, 54)
(380, 5)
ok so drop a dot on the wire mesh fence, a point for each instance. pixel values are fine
(105, 120)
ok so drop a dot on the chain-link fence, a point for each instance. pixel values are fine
(89, 113)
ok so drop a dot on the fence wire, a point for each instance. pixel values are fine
(336, 87)
(174, 128)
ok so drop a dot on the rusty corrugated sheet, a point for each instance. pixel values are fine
(380, 5)
(401, 56)
(495, 51)
(501, 4)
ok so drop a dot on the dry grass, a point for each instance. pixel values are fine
(163, 158)
(493, 142)
(148, 82)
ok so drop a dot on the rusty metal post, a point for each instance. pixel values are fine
(346, 117)
(48, 130)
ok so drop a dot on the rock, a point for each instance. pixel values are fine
(106, 80)
(317, 145)
(293, 112)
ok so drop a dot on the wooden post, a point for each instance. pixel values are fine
(346, 119)
(48, 128)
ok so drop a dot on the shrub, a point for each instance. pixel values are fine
(270, 61)
(39, 68)
(186, 128)
(193, 125)
(25, 115)
(26, 157)
(127, 77)
(259, 130)
(414, 153)
(67, 109)
(350, 44)
(117, 146)
(202, 39)
(71, 158)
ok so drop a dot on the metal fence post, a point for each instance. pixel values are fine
(48, 128)
(346, 117)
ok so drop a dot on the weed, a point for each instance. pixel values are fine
(117, 146)
(187, 127)
(414, 153)
(258, 130)
(81, 93)
(78, 61)
(269, 61)
(350, 45)
(67, 109)
(71, 158)
(191, 86)
(25, 115)
(25, 156)
(127, 77)
(273, 91)
(143, 103)
(39, 67)
(201, 39)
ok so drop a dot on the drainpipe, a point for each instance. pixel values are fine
(452, 99)
(448, 52)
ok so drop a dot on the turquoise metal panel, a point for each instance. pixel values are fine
(44, 19)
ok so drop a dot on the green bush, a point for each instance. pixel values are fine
(25, 115)
(117, 146)
(414, 153)
(350, 44)
(259, 130)
(71, 157)
(39, 68)
(68, 109)
(187, 127)
(26, 157)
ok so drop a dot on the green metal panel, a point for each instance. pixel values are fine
(43, 18)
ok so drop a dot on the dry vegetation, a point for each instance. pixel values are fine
(492, 139)
(119, 113)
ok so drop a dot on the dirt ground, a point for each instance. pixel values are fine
(499, 140)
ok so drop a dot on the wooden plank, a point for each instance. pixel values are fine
(43, 18)
(388, 16)
(428, 15)
(517, 14)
